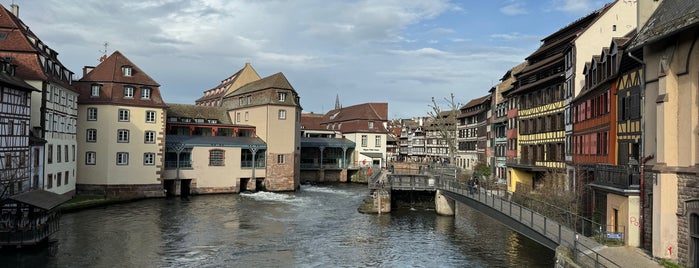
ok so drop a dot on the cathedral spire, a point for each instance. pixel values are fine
(337, 102)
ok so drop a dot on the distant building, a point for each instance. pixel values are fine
(325, 154)
(365, 125)
(54, 103)
(501, 124)
(121, 128)
(214, 96)
(472, 135)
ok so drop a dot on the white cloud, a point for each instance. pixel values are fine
(573, 6)
(514, 36)
(427, 51)
(513, 7)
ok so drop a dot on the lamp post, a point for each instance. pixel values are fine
(253, 149)
(178, 147)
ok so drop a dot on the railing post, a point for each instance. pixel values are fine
(531, 213)
(559, 233)
(544, 225)
(520, 213)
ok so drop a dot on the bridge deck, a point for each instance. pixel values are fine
(521, 219)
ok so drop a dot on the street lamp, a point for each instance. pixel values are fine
(178, 147)
(253, 149)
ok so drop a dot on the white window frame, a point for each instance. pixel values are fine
(94, 90)
(123, 136)
(365, 141)
(128, 92)
(122, 159)
(280, 159)
(216, 160)
(148, 159)
(282, 96)
(91, 114)
(150, 116)
(91, 135)
(377, 141)
(90, 158)
(145, 93)
(281, 114)
(127, 70)
(124, 115)
(149, 136)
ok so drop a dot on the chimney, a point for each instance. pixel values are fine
(87, 70)
(15, 9)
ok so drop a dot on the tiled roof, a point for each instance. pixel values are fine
(355, 118)
(312, 121)
(110, 71)
(475, 102)
(238, 79)
(277, 80)
(26, 50)
(110, 76)
(8, 80)
(670, 17)
(198, 111)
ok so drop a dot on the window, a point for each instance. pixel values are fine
(150, 116)
(59, 178)
(149, 137)
(123, 115)
(148, 159)
(282, 96)
(90, 158)
(216, 157)
(237, 117)
(123, 135)
(58, 154)
(128, 92)
(249, 97)
(364, 140)
(371, 124)
(145, 93)
(65, 153)
(247, 116)
(127, 70)
(122, 158)
(91, 135)
(91, 114)
(282, 114)
(95, 92)
(241, 100)
(377, 141)
(280, 159)
(49, 154)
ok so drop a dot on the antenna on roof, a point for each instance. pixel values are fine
(104, 51)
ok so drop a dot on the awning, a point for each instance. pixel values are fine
(373, 155)
(40, 198)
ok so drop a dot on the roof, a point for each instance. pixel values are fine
(243, 76)
(9, 80)
(326, 142)
(110, 76)
(475, 102)
(215, 141)
(355, 118)
(277, 80)
(670, 17)
(198, 111)
(40, 198)
(30, 53)
(372, 155)
(312, 121)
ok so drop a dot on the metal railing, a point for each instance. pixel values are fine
(537, 222)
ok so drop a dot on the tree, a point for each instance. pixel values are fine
(444, 122)
(14, 176)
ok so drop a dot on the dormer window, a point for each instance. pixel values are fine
(128, 92)
(127, 70)
(282, 96)
(95, 91)
(145, 93)
(371, 124)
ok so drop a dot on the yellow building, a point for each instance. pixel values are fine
(121, 123)
(272, 106)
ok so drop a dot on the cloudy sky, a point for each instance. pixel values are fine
(396, 51)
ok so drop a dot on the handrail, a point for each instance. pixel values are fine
(539, 223)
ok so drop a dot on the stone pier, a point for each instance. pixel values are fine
(443, 205)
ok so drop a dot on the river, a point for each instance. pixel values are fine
(318, 226)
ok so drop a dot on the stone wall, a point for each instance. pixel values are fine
(280, 177)
(688, 203)
(647, 223)
(121, 190)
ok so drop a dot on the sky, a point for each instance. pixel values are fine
(402, 52)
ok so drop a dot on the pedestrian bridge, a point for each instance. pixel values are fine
(493, 203)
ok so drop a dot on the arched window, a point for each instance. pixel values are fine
(216, 157)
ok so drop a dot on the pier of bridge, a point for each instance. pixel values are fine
(496, 205)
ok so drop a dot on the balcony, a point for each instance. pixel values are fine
(620, 179)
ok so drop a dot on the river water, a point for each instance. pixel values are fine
(318, 226)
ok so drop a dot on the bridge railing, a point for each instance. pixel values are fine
(551, 229)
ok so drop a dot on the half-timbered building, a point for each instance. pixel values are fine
(472, 137)
(54, 104)
(15, 115)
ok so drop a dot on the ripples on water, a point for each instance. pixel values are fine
(318, 226)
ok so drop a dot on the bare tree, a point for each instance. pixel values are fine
(445, 122)
(14, 175)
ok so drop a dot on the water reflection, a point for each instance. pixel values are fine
(318, 226)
